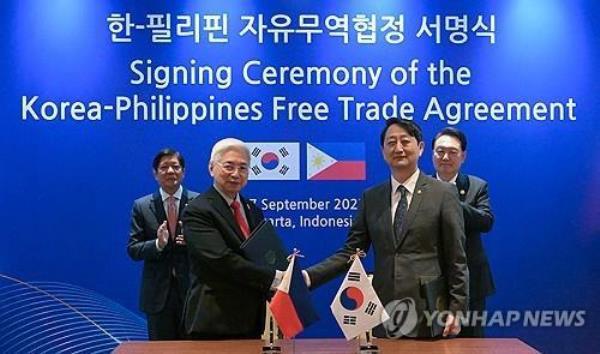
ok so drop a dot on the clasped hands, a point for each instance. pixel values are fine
(162, 235)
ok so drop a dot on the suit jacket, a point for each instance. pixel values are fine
(148, 213)
(431, 245)
(228, 292)
(475, 201)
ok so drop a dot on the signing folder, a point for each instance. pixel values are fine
(435, 292)
(264, 247)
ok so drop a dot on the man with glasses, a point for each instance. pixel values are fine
(228, 292)
(449, 153)
(156, 238)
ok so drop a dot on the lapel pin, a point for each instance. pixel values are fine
(419, 191)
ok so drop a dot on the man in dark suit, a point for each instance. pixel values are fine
(449, 153)
(228, 292)
(415, 225)
(156, 238)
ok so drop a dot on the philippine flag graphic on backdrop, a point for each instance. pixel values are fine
(335, 162)
(274, 161)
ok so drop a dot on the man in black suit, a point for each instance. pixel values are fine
(449, 153)
(228, 292)
(415, 225)
(156, 238)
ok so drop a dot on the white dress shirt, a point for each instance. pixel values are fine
(228, 200)
(165, 196)
(452, 180)
(409, 184)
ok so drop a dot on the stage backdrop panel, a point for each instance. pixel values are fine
(91, 90)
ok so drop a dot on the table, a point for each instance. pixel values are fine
(333, 346)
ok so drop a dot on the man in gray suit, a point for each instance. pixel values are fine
(449, 153)
(155, 237)
(415, 225)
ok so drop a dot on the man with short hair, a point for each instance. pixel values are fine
(156, 238)
(228, 292)
(449, 153)
(415, 226)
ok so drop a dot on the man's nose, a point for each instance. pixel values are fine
(398, 147)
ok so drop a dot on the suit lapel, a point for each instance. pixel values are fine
(383, 215)
(413, 209)
(249, 214)
(157, 208)
(462, 184)
(222, 208)
(182, 204)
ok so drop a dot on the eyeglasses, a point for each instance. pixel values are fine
(165, 169)
(231, 168)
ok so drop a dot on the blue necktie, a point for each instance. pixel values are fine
(400, 213)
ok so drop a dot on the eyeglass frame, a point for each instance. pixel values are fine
(230, 168)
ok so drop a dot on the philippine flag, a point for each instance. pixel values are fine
(336, 162)
(291, 305)
(274, 161)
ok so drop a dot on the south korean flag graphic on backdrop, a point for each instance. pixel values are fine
(274, 161)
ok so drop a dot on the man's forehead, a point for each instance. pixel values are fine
(169, 160)
(447, 141)
(400, 133)
(234, 156)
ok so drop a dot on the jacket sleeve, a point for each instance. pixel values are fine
(139, 247)
(478, 214)
(454, 257)
(334, 265)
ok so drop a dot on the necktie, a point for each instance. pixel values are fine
(237, 213)
(172, 215)
(400, 213)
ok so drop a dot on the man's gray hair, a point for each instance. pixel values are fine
(227, 144)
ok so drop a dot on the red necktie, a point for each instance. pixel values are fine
(172, 215)
(237, 213)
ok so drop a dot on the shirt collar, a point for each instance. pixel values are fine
(228, 200)
(164, 195)
(452, 180)
(409, 184)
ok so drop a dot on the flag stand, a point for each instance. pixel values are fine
(270, 333)
(365, 340)
(366, 345)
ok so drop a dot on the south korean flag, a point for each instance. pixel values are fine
(274, 161)
(356, 307)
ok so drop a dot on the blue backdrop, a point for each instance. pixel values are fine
(68, 185)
